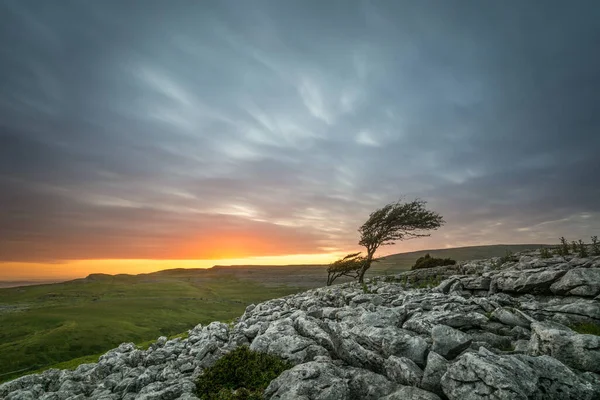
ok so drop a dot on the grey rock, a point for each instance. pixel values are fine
(511, 317)
(366, 384)
(449, 342)
(282, 339)
(422, 322)
(412, 347)
(412, 393)
(578, 282)
(403, 370)
(311, 380)
(493, 340)
(432, 376)
(374, 299)
(537, 281)
(575, 350)
(489, 376)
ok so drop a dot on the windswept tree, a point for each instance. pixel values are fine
(350, 266)
(395, 222)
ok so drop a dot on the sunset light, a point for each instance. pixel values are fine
(82, 268)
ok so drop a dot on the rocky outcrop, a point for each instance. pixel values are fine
(487, 331)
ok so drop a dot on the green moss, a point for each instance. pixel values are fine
(588, 329)
(240, 374)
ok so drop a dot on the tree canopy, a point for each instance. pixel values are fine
(347, 266)
(394, 222)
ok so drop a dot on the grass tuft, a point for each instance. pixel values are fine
(587, 329)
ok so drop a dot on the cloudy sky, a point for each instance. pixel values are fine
(228, 129)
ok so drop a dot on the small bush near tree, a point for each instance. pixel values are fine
(575, 247)
(242, 374)
(564, 247)
(430, 262)
(595, 251)
(582, 249)
(545, 253)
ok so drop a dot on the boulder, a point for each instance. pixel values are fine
(578, 282)
(403, 370)
(485, 375)
(412, 393)
(432, 376)
(311, 380)
(578, 351)
(449, 342)
(536, 280)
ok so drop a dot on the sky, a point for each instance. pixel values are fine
(140, 135)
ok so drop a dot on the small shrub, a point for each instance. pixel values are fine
(595, 246)
(574, 246)
(582, 249)
(564, 246)
(242, 374)
(365, 288)
(430, 262)
(430, 281)
(545, 253)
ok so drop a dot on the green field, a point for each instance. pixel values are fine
(43, 325)
(46, 324)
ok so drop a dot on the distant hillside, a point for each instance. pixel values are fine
(9, 284)
(309, 276)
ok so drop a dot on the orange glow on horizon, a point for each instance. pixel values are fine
(82, 268)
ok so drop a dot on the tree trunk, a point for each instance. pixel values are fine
(361, 276)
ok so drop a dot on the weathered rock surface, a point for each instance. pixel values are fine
(485, 375)
(575, 350)
(449, 342)
(578, 282)
(485, 332)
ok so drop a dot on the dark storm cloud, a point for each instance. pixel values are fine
(126, 128)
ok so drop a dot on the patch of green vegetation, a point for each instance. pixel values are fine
(587, 329)
(240, 374)
(72, 364)
(365, 288)
(430, 262)
(508, 347)
(61, 322)
(582, 252)
(595, 246)
(428, 282)
(545, 253)
(563, 249)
